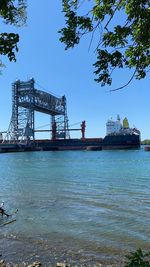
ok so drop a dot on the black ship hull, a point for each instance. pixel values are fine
(54, 145)
(127, 141)
(108, 143)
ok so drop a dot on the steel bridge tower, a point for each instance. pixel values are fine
(25, 101)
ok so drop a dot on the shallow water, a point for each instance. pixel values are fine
(76, 204)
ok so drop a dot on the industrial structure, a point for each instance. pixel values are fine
(26, 99)
(20, 136)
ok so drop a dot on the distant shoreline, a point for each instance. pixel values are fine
(145, 142)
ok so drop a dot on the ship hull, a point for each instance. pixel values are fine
(128, 141)
(108, 143)
(54, 145)
(70, 144)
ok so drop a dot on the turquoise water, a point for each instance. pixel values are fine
(75, 204)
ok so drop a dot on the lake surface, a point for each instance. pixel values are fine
(75, 205)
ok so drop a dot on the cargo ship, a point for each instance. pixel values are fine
(21, 133)
(120, 136)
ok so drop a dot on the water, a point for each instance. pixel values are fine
(85, 205)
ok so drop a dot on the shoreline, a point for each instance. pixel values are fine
(19, 254)
(38, 263)
(61, 264)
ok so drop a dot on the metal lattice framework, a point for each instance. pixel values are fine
(25, 101)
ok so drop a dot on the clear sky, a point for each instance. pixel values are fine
(70, 73)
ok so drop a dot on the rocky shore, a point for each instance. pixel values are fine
(15, 253)
(39, 264)
(34, 264)
(3, 263)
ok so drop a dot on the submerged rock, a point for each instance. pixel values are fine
(61, 264)
(2, 263)
(35, 264)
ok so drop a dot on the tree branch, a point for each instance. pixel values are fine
(119, 88)
(95, 28)
(112, 15)
(100, 39)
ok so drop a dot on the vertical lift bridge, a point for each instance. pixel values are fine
(26, 99)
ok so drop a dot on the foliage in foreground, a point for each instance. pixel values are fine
(121, 28)
(12, 13)
(138, 259)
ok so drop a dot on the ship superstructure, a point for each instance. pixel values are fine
(120, 136)
(120, 128)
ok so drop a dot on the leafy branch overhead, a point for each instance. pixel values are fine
(122, 27)
(14, 13)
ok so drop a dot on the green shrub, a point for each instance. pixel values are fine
(138, 259)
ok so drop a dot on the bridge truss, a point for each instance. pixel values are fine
(26, 99)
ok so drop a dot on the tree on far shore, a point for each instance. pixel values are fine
(12, 13)
(122, 28)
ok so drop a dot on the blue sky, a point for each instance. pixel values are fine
(70, 73)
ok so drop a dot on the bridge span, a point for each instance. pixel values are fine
(26, 99)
